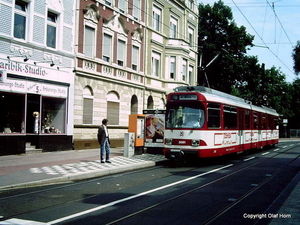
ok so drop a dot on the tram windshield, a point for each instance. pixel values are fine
(185, 116)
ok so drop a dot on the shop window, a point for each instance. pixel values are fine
(214, 118)
(113, 108)
(12, 114)
(53, 115)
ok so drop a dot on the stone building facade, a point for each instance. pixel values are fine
(129, 55)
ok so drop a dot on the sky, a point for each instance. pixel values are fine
(276, 26)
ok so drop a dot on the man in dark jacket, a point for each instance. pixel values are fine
(103, 139)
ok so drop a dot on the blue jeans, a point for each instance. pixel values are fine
(105, 147)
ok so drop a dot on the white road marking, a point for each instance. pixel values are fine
(249, 159)
(276, 150)
(20, 222)
(134, 196)
(266, 153)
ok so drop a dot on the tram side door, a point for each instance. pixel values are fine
(241, 128)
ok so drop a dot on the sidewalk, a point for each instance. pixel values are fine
(53, 167)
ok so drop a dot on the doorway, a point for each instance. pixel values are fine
(33, 105)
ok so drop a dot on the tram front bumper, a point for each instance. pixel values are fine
(175, 154)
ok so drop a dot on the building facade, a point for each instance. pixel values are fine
(36, 71)
(129, 55)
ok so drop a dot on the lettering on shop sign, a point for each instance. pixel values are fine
(18, 67)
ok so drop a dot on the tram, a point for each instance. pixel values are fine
(203, 122)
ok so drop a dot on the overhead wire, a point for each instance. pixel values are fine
(260, 36)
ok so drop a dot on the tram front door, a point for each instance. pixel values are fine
(241, 128)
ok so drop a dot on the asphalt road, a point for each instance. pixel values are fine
(242, 189)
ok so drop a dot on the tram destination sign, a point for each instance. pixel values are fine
(184, 97)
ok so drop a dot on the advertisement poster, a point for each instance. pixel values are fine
(155, 128)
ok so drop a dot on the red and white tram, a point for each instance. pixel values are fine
(202, 122)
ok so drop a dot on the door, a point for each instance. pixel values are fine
(241, 128)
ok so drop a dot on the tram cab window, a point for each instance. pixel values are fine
(230, 117)
(185, 116)
(214, 118)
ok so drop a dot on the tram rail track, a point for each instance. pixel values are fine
(234, 203)
(210, 220)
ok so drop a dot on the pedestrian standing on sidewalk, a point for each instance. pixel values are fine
(103, 139)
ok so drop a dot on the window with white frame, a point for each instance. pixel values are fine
(89, 41)
(184, 69)
(121, 52)
(173, 27)
(191, 75)
(136, 9)
(156, 18)
(172, 67)
(155, 64)
(191, 36)
(51, 29)
(20, 19)
(107, 47)
(135, 57)
(122, 6)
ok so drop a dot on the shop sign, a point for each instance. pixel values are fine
(34, 88)
(29, 70)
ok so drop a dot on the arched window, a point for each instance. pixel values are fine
(113, 108)
(134, 105)
(162, 104)
(150, 103)
(88, 104)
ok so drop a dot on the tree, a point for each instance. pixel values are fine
(296, 58)
(219, 35)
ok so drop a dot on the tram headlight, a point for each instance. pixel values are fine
(195, 142)
(168, 141)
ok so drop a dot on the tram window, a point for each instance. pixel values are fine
(230, 117)
(214, 116)
(247, 119)
(255, 120)
(263, 122)
(185, 116)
